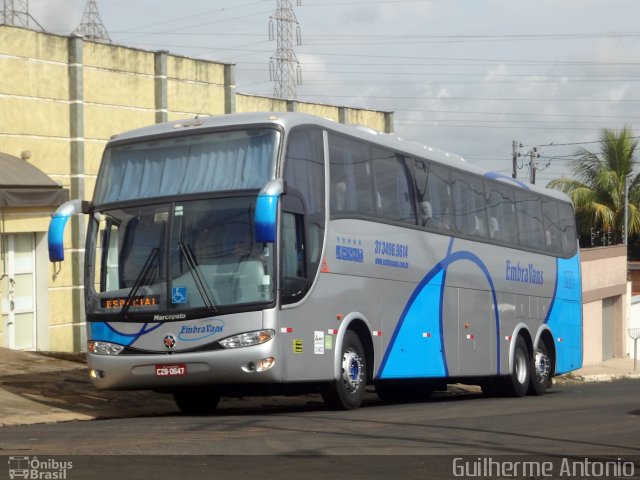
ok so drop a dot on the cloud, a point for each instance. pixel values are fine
(57, 16)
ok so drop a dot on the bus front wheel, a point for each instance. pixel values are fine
(347, 393)
(196, 401)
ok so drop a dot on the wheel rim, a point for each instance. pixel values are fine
(542, 366)
(352, 371)
(521, 367)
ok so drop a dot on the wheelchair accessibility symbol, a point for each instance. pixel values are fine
(179, 295)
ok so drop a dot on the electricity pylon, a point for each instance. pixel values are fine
(91, 26)
(284, 67)
(16, 13)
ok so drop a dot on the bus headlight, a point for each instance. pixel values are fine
(104, 348)
(247, 339)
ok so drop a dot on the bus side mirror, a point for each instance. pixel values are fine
(58, 222)
(266, 214)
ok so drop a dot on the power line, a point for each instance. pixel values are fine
(174, 31)
(478, 99)
(533, 77)
(499, 61)
(552, 144)
(523, 122)
(199, 15)
(387, 37)
(360, 83)
(517, 114)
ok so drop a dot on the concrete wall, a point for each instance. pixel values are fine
(604, 276)
(63, 97)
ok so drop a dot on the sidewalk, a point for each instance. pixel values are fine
(612, 369)
(35, 388)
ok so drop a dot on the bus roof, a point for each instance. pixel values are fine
(288, 120)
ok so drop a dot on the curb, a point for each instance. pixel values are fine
(597, 378)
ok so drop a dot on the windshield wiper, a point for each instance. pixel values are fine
(197, 278)
(142, 278)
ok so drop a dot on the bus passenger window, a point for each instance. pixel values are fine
(425, 211)
(469, 205)
(350, 165)
(568, 230)
(530, 223)
(553, 239)
(393, 199)
(439, 195)
(502, 213)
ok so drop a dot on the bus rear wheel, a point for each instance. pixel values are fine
(516, 383)
(540, 370)
(196, 401)
(348, 392)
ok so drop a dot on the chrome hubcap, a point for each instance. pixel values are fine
(352, 370)
(542, 366)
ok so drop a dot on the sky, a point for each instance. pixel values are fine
(466, 76)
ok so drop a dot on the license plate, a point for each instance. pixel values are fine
(171, 370)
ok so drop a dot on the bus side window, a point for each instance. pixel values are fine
(469, 205)
(530, 223)
(439, 196)
(304, 173)
(393, 198)
(568, 230)
(109, 278)
(553, 240)
(420, 175)
(502, 214)
(351, 176)
(294, 281)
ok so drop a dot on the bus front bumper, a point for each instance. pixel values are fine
(162, 371)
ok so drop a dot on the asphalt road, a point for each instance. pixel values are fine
(572, 420)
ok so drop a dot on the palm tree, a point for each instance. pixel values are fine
(598, 190)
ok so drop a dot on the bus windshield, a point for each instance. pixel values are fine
(178, 257)
(195, 163)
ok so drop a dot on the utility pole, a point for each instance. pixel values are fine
(284, 67)
(515, 155)
(533, 154)
(91, 26)
(16, 13)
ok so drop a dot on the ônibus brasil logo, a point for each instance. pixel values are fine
(37, 469)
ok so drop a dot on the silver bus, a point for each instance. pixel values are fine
(282, 252)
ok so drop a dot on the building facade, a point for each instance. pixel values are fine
(606, 300)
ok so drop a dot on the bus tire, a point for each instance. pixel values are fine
(348, 392)
(516, 384)
(196, 401)
(540, 370)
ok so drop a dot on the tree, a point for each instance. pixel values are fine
(598, 190)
